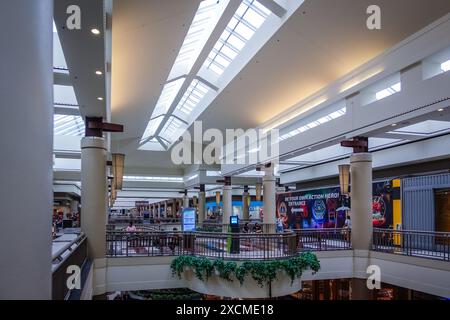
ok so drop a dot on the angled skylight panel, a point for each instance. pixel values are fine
(173, 129)
(66, 125)
(191, 99)
(167, 96)
(247, 20)
(59, 61)
(205, 19)
(152, 125)
(64, 95)
(152, 145)
(445, 66)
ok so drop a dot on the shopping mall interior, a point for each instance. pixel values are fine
(225, 150)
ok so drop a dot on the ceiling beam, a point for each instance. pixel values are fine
(62, 79)
(67, 110)
(274, 7)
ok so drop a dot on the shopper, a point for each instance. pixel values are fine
(131, 227)
(258, 228)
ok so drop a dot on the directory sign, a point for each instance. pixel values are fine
(189, 219)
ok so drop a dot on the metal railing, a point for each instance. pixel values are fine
(243, 225)
(236, 246)
(73, 253)
(425, 244)
(113, 220)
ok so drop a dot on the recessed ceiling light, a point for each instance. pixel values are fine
(441, 109)
(394, 124)
(100, 98)
(98, 72)
(95, 31)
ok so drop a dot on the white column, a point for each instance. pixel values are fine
(245, 206)
(227, 206)
(26, 135)
(93, 194)
(185, 201)
(201, 206)
(158, 215)
(165, 209)
(361, 219)
(74, 206)
(361, 200)
(269, 209)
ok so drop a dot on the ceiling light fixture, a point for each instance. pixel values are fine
(394, 124)
(98, 72)
(441, 109)
(100, 98)
(95, 31)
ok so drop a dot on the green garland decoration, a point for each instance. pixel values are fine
(263, 272)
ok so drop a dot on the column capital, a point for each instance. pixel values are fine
(93, 142)
(361, 157)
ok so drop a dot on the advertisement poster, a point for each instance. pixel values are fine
(382, 213)
(310, 209)
(320, 208)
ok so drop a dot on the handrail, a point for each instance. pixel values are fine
(68, 246)
(226, 245)
(413, 231)
(76, 256)
(424, 244)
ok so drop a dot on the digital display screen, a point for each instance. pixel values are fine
(234, 220)
(189, 219)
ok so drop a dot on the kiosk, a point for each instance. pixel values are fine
(234, 228)
(188, 226)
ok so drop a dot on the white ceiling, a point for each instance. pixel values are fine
(321, 42)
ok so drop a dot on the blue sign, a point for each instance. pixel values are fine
(189, 219)
(234, 220)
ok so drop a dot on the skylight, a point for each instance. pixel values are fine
(152, 145)
(181, 102)
(246, 21)
(445, 66)
(205, 19)
(64, 95)
(313, 124)
(192, 97)
(389, 91)
(59, 61)
(64, 125)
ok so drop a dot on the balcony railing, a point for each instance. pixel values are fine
(72, 253)
(426, 244)
(235, 246)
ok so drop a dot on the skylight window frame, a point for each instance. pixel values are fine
(229, 32)
(388, 91)
(315, 123)
(68, 125)
(445, 66)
